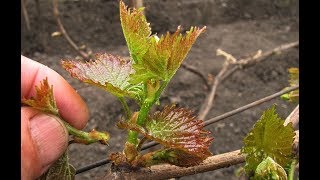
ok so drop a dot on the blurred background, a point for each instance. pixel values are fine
(240, 28)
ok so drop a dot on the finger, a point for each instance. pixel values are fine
(43, 140)
(71, 107)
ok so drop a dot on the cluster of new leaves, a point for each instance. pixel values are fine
(44, 99)
(151, 58)
(45, 102)
(153, 63)
(185, 141)
(269, 138)
(292, 96)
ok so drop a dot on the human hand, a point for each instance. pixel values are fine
(44, 137)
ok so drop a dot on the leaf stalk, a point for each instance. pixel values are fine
(125, 108)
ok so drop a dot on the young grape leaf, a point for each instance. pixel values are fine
(172, 156)
(136, 31)
(44, 99)
(154, 58)
(176, 128)
(179, 46)
(61, 169)
(270, 170)
(269, 137)
(165, 55)
(292, 96)
(108, 72)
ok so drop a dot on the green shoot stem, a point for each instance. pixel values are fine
(85, 137)
(75, 132)
(133, 137)
(144, 111)
(291, 170)
(125, 107)
(159, 92)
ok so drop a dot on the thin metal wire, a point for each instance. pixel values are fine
(207, 122)
(253, 104)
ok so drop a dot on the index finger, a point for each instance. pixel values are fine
(71, 106)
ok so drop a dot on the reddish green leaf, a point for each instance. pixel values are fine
(44, 99)
(136, 31)
(176, 128)
(106, 71)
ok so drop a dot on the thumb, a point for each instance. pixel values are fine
(43, 140)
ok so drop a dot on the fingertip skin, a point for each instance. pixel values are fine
(44, 139)
(70, 104)
(29, 160)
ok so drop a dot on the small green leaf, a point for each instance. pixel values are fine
(268, 169)
(175, 128)
(44, 99)
(108, 72)
(61, 169)
(136, 31)
(268, 138)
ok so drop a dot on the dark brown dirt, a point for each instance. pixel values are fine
(238, 27)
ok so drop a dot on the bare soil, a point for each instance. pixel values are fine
(238, 27)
